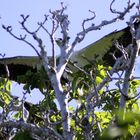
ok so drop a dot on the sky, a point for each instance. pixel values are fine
(10, 11)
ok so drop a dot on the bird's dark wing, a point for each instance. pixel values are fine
(18, 66)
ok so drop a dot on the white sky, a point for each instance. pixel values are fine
(10, 11)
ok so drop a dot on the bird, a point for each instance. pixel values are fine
(99, 50)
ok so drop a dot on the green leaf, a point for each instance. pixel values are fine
(71, 108)
(18, 115)
(135, 107)
(98, 80)
(5, 90)
(74, 83)
(80, 92)
(103, 73)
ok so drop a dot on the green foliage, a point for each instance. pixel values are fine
(134, 84)
(108, 122)
(103, 118)
(23, 136)
(82, 82)
(18, 115)
(103, 122)
(35, 80)
(5, 90)
(123, 128)
(110, 100)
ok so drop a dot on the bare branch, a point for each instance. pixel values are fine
(44, 132)
(24, 19)
(107, 78)
(86, 20)
(114, 11)
(128, 75)
(110, 21)
(21, 38)
(80, 35)
(42, 23)
(122, 50)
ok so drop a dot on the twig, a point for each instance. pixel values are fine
(23, 23)
(114, 11)
(42, 23)
(86, 20)
(80, 35)
(21, 38)
(32, 128)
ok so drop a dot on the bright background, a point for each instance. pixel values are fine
(10, 11)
